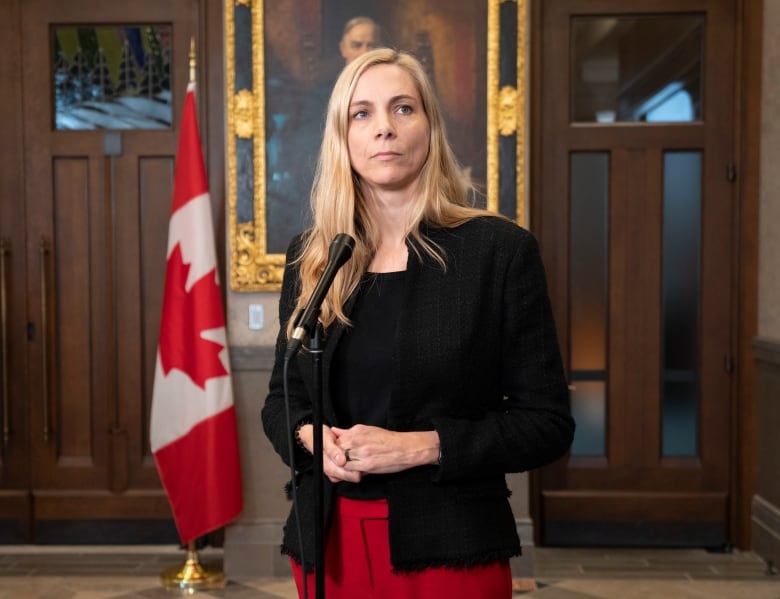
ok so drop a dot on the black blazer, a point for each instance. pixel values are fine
(476, 358)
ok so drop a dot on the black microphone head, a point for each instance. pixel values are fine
(341, 248)
(339, 252)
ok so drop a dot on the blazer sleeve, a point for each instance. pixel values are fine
(533, 426)
(274, 413)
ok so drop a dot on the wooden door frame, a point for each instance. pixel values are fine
(15, 502)
(748, 145)
(747, 134)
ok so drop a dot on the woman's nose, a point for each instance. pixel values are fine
(384, 127)
(385, 131)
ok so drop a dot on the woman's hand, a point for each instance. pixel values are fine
(375, 450)
(333, 458)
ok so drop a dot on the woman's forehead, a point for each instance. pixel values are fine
(381, 79)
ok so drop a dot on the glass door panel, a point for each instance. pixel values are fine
(636, 68)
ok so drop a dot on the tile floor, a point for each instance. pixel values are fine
(125, 572)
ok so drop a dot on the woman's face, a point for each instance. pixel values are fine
(388, 134)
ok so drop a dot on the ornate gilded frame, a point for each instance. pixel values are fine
(251, 267)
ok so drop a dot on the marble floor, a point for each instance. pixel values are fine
(133, 572)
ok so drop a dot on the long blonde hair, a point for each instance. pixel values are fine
(338, 204)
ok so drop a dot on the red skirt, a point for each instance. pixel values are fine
(357, 564)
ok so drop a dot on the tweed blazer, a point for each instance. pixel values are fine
(475, 357)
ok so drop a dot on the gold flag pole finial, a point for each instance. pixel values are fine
(192, 60)
(193, 575)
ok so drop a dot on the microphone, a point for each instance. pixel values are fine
(340, 251)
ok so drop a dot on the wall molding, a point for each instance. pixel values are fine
(766, 529)
(767, 516)
(765, 503)
(252, 357)
(767, 350)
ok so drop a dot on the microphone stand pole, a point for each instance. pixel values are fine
(317, 346)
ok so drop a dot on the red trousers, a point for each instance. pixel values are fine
(357, 564)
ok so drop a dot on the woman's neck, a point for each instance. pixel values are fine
(391, 219)
(390, 212)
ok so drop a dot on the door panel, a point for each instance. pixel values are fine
(88, 242)
(142, 181)
(14, 460)
(645, 321)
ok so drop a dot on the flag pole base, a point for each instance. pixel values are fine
(192, 576)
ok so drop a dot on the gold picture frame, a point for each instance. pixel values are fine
(256, 265)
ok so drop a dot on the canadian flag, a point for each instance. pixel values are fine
(193, 422)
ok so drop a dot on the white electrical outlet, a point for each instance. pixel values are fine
(256, 317)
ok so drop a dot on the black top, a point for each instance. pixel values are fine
(362, 365)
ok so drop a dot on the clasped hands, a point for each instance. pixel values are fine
(371, 449)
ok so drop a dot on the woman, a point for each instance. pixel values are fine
(441, 371)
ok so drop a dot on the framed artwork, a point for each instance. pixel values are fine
(282, 59)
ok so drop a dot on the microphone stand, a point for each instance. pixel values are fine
(316, 349)
(339, 252)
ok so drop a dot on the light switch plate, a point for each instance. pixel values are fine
(256, 317)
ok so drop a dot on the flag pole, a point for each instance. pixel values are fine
(192, 575)
(193, 62)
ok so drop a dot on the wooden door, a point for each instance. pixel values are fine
(87, 235)
(634, 212)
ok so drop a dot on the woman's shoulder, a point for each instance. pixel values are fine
(491, 229)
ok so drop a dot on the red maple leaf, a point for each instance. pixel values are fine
(185, 315)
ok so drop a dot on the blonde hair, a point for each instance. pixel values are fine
(444, 192)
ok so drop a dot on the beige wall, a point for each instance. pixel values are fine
(769, 246)
(765, 506)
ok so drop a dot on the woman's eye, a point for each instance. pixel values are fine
(360, 114)
(405, 109)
